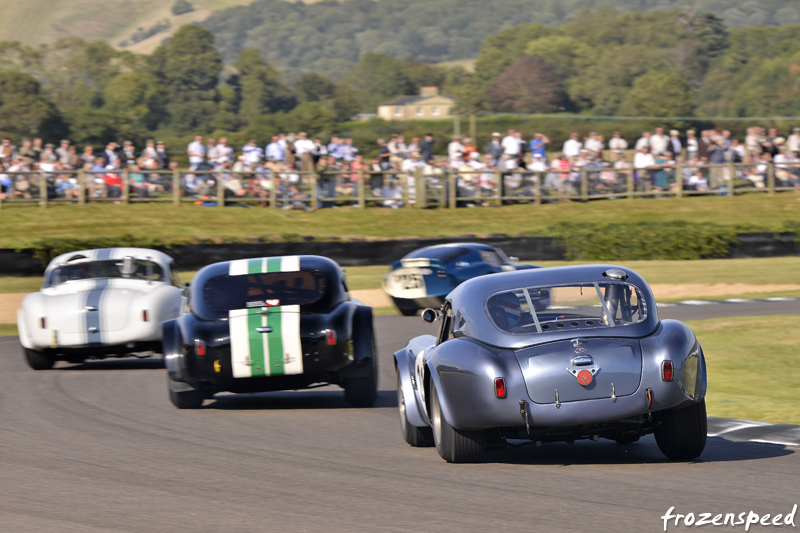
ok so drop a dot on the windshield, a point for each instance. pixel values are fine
(531, 310)
(223, 293)
(127, 268)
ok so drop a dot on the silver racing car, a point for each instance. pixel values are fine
(552, 354)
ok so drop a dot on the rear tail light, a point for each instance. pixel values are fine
(200, 347)
(42, 322)
(144, 315)
(500, 387)
(666, 370)
(331, 337)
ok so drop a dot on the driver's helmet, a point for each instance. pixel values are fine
(506, 310)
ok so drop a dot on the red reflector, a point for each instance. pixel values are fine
(331, 337)
(42, 322)
(200, 347)
(500, 387)
(666, 370)
(144, 315)
(584, 377)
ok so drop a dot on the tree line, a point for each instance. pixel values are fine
(602, 62)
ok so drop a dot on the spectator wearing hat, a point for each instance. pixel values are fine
(62, 152)
(426, 148)
(494, 148)
(593, 143)
(674, 146)
(48, 154)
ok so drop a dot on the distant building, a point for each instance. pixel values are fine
(428, 105)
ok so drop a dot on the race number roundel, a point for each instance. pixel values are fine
(584, 377)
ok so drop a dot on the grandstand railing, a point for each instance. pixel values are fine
(442, 188)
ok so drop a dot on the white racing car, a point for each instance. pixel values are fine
(99, 303)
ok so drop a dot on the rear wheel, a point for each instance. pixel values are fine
(419, 437)
(681, 433)
(39, 360)
(361, 390)
(184, 399)
(455, 446)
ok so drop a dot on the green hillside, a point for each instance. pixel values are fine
(35, 22)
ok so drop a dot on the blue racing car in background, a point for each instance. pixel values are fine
(424, 277)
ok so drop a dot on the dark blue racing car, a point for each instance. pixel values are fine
(424, 277)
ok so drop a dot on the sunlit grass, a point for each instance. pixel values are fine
(752, 367)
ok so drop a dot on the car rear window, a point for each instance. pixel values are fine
(531, 310)
(223, 293)
(127, 268)
(446, 255)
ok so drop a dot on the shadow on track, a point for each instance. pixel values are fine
(645, 451)
(305, 399)
(152, 363)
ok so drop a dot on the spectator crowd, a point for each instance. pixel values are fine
(509, 166)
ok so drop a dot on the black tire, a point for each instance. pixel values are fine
(362, 390)
(681, 433)
(453, 445)
(190, 399)
(39, 360)
(408, 312)
(418, 437)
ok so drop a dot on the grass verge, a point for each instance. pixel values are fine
(190, 223)
(752, 363)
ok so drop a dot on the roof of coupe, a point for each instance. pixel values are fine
(109, 253)
(470, 300)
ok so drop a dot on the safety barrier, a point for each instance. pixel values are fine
(440, 187)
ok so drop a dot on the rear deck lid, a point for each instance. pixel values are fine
(581, 369)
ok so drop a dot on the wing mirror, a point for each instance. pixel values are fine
(185, 291)
(513, 260)
(462, 264)
(429, 316)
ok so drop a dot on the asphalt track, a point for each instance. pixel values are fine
(98, 447)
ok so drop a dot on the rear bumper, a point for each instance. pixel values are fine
(95, 351)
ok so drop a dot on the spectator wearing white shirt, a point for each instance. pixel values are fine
(617, 144)
(642, 161)
(304, 150)
(275, 152)
(572, 147)
(594, 144)
(223, 150)
(511, 143)
(644, 140)
(658, 142)
(252, 154)
(455, 147)
(196, 152)
(793, 141)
